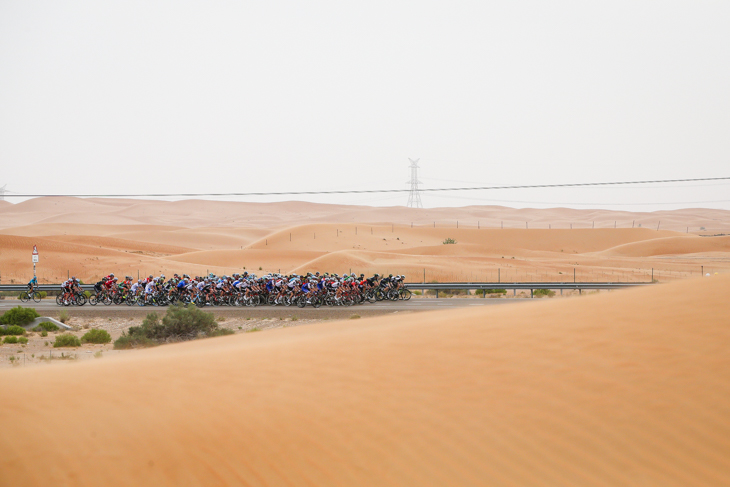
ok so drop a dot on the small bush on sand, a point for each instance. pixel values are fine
(355, 317)
(485, 292)
(63, 316)
(18, 316)
(179, 323)
(47, 326)
(10, 339)
(96, 336)
(221, 332)
(126, 342)
(544, 292)
(12, 330)
(22, 340)
(449, 241)
(44, 333)
(67, 340)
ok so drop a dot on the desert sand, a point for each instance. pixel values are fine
(89, 238)
(624, 388)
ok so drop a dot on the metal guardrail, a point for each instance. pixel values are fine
(524, 285)
(41, 287)
(426, 285)
(532, 286)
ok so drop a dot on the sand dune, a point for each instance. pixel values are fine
(626, 388)
(250, 259)
(223, 237)
(197, 213)
(672, 246)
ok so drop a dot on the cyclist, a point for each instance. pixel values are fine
(32, 284)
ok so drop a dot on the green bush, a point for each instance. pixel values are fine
(126, 342)
(179, 323)
(10, 339)
(23, 340)
(449, 241)
(96, 336)
(12, 330)
(18, 316)
(220, 332)
(544, 292)
(494, 291)
(46, 326)
(63, 316)
(44, 333)
(67, 340)
(448, 292)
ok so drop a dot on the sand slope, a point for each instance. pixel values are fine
(626, 388)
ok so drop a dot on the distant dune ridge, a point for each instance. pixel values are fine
(89, 238)
(626, 388)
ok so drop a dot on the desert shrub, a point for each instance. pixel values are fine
(417, 293)
(63, 316)
(544, 292)
(495, 291)
(12, 330)
(46, 326)
(220, 332)
(448, 292)
(22, 340)
(126, 342)
(44, 333)
(449, 241)
(179, 323)
(96, 336)
(67, 340)
(10, 339)
(18, 316)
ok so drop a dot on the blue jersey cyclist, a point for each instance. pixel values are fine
(32, 284)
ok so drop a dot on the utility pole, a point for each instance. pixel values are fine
(414, 197)
(2, 192)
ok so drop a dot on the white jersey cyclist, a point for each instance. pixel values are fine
(149, 287)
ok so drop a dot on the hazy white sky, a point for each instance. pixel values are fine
(234, 96)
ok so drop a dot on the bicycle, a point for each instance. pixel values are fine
(34, 295)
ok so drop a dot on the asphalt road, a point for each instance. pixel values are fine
(48, 307)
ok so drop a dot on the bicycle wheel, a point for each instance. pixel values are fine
(59, 299)
(37, 297)
(405, 294)
(80, 300)
(93, 300)
(24, 297)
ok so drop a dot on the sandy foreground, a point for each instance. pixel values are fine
(90, 238)
(621, 388)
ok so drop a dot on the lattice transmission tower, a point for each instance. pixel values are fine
(414, 197)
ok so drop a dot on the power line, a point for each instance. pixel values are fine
(365, 191)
